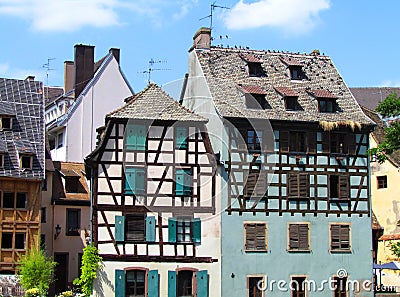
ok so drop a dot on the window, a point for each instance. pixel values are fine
(6, 123)
(43, 242)
(185, 283)
(43, 215)
(19, 241)
(297, 142)
(299, 236)
(254, 140)
(327, 105)
(255, 69)
(181, 134)
(296, 72)
(72, 184)
(26, 162)
(298, 185)
(6, 240)
(8, 200)
(340, 237)
(183, 182)
(338, 143)
(135, 227)
(382, 181)
(184, 230)
(135, 283)
(254, 286)
(256, 237)
(256, 184)
(21, 200)
(52, 143)
(256, 101)
(60, 140)
(340, 285)
(298, 286)
(135, 137)
(339, 186)
(73, 222)
(291, 103)
(134, 181)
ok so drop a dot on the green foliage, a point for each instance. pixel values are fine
(388, 108)
(91, 261)
(36, 271)
(395, 248)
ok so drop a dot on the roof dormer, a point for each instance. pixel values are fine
(254, 67)
(295, 68)
(326, 100)
(255, 97)
(7, 114)
(290, 98)
(26, 154)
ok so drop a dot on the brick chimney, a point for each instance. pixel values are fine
(115, 52)
(84, 66)
(202, 39)
(69, 76)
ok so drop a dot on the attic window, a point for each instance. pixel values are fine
(327, 105)
(291, 103)
(290, 98)
(26, 162)
(296, 72)
(255, 97)
(255, 69)
(5, 123)
(72, 184)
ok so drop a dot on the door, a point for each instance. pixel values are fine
(61, 272)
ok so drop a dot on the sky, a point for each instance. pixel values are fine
(360, 36)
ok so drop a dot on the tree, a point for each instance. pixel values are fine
(91, 261)
(36, 270)
(389, 108)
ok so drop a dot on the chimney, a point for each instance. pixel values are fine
(202, 39)
(30, 78)
(68, 76)
(84, 66)
(115, 52)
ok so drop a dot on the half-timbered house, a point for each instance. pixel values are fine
(295, 195)
(155, 214)
(21, 168)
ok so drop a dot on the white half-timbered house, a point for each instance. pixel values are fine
(155, 212)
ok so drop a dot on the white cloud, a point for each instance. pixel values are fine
(385, 83)
(10, 72)
(292, 16)
(185, 7)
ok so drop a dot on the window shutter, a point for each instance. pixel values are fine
(335, 237)
(196, 230)
(251, 183)
(171, 284)
(130, 177)
(202, 283)
(130, 137)
(141, 137)
(135, 227)
(260, 241)
(344, 237)
(293, 142)
(303, 237)
(139, 182)
(181, 138)
(350, 141)
(312, 142)
(119, 228)
(150, 229)
(303, 186)
(294, 236)
(343, 187)
(187, 182)
(119, 283)
(261, 185)
(171, 230)
(152, 284)
(293, 191)
(284, 141)
(250, 243)
(325, 142)
(179, 187)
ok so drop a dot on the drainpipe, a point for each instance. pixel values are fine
(91, 205)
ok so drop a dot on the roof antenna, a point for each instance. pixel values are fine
(151, 68)
(48, 68)
(212, 7)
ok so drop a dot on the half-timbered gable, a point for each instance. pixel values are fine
(154, 205)
(21, 168)
(293, 142)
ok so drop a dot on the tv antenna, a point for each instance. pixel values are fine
(151, 68)
(48, 69)
(212, 7)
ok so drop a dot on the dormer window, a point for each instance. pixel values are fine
(25, 162)
(254, 67)
(290, 98)
(291, 103)
(296, 73)
(6, 123)
(255, 97)
(295, 67)
(326, 100)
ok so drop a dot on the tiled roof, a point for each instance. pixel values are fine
(6, 108)
(390, 237)
(322, 94)
(51, 94)
(25, 100)
(154, 104)
(371, 97)
(69, 169)
(224, 70)
(291, 61)
(252, 89)
(379, 133)
(286, 92)
(250, 58)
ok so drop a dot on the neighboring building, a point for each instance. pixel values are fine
(295, 189)
(385, 192)
(21, 168)
(65, 219)
(155, 210)
(91, 89)
(370, 97)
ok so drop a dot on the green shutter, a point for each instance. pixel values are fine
(150, 229)
(153, 283)
(130, 178)
(196, 227)
(181, 138)
(139, 182)
(171, 283)
(171, 230)
(202, 283)
(119, 283)
(141, 137)
(179, 178)
(187, 182)
(135, 137)
(119, 228)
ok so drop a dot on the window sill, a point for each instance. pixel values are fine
(298, 251)
(349, 251)
(255, 251)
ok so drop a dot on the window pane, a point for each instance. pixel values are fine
(6, 241)
(8, 200)
(20, 240)
(21, 200)
(73, 221)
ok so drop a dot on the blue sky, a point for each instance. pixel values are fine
(360, 36)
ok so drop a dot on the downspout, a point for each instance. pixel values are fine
(184, 86)
(91, 204)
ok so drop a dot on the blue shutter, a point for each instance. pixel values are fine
(141, 137)
(150, 229)
(179, 178)
(171, 283)
(171, 230)
(119, 228)
(196, 230)
(153, 283)
(119, 283)
(181, 138)
(202, 283)
(130, 137)
(187, 182)
(130, 178)
(139, 182)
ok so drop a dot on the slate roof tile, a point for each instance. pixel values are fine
(371, 97)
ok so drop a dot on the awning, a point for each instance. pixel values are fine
(391, 265)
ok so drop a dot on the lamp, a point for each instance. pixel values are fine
(58, 231)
